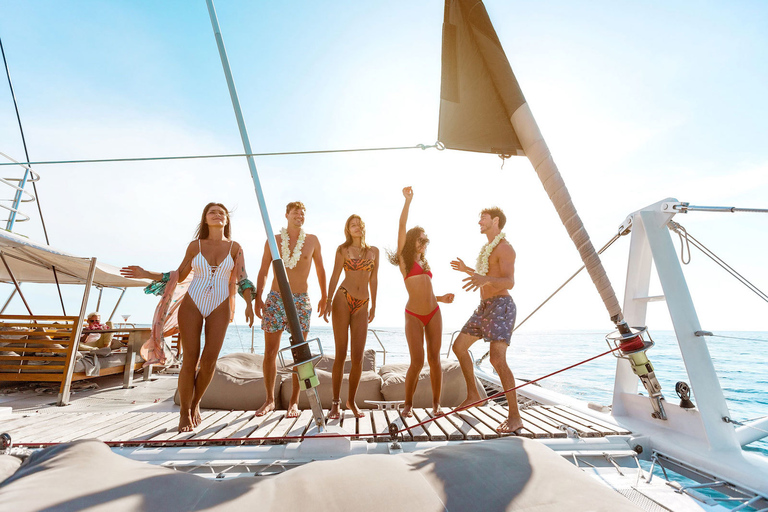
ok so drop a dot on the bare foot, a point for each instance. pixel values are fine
(196, 418)
(510, 426)
(264, 409)
(293, 411)
(334, 414)
(408, 411)
(352, 407)
(185, 423)
(436, 410)
(471, 399)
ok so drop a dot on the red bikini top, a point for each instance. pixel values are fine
(417, 270)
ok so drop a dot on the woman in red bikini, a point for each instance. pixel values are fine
(422, 314)
(350, 308)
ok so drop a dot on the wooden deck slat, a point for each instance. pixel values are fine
(417, 433)
(483, 430)
(497, 415)
(581, 427)
(434, 432)
(281, 429)
(236, 423)
(615, 429)
(106, 431)
(172, 434)
(546, 422)
(80, 429)
(380, 424)
(250, 422)
(209, 425)
(214, 431)
(452, 431)
(271, 420)
(133, 431)
(168, 425)
(545, 426)
(41, 423)
(303, 422)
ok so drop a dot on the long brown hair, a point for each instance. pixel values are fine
(202, 229)
(409, 250)
(348, 235)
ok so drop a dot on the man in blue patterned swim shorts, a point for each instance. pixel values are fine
(494, 319)
(298, 251)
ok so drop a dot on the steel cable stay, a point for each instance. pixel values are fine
(333, 435)
(436, 145)
(686, 238)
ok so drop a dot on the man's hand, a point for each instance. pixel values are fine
(458, 264)
(322, 307)
(249, 314)
(475, 282)
(258, 307)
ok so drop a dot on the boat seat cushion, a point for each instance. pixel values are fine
(454, 389)
(8, 466)
(237, 384)
(369, 362)
(501, 474)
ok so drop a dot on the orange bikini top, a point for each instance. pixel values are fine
(359, 264)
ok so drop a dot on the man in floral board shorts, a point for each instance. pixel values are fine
(298, 251)
(494, 319)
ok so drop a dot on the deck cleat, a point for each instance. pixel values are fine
(632, 344)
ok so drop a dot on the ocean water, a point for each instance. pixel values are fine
(738, 358)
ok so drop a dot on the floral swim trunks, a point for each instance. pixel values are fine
(275, 318)
(493, 320)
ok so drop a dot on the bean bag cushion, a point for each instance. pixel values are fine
(454, 389)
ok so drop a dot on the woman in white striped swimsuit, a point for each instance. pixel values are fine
(219, 268)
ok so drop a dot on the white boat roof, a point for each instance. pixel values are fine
(33, 262)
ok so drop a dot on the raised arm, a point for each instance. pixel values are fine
(338, 264)
(401, 230)
(458, 264)
(374, 284)
(317, 258)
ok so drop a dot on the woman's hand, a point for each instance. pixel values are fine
(447, 298)
(408, 193)
(371, 313)
(458, 264)
(134, 272)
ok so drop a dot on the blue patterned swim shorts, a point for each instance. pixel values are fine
(275, 318)
(493, 320)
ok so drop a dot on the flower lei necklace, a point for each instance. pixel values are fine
(289, 259)
(485, 253)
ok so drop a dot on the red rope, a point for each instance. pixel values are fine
(330, 435)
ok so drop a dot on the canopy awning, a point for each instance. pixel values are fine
(32, 262)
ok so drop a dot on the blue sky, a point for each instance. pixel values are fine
(638, 101)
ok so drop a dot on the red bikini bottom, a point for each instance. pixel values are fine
(424, 318)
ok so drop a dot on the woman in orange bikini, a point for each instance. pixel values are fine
(219, 267)
(422, 314)
(349, 308)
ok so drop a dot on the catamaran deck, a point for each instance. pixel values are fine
(146, 415)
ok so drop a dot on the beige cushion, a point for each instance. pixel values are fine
(8, 466)
(369, 389)
(454, 389)
(237, 384)
(501, 474)
(369, 362)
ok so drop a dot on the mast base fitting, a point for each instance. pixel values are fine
(291, 365)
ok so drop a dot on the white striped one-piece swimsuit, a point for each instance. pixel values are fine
(210, 285)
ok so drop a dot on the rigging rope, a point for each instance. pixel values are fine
(436, 145)
(680, 230)
(332, 435)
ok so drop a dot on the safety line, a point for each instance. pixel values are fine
(437, 146)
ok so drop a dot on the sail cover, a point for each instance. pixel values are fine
(483, 109)
(479, 92)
